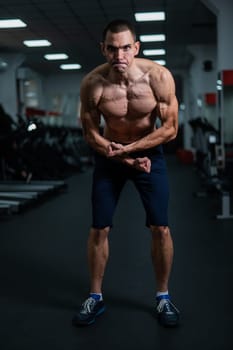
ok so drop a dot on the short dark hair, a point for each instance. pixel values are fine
(117, 26)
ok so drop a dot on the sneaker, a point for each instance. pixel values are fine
(167, 313)
(88, 312)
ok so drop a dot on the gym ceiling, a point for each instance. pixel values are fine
(75, 27)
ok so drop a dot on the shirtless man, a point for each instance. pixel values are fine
(130, 93)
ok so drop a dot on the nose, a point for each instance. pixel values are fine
(119, 53)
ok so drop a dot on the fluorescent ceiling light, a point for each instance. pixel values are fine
(36, 43)
(12, 23)
(154, 52)
(3, 64)
(70, 66)
(149, 16)
(56, 56)
(162, 62)
(152, 37)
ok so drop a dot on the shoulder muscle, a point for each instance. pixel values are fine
(162, 83)
(92, 87)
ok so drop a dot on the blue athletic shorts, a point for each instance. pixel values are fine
(110, 176)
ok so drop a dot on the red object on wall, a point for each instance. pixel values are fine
(31, 112)
(227, 77)
(185, 156)
(210, 98)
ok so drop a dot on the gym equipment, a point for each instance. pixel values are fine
(211, 158)
(30, 149)
(16, 196)
(19, 195)
(35, 160)
(204, 141)
(226, 214)
(222, 160)
(5, 209)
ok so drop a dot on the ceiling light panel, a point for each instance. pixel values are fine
(56, 56)
(154, 52)
(162, 62)
(12, 23)
(149, 16)
(152, 37)
(70, 66)
(37, 43)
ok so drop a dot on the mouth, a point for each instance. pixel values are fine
(119, 64)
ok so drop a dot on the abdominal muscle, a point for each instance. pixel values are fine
(127, 131)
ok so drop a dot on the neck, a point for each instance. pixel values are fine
(120, 78)
(123, 78)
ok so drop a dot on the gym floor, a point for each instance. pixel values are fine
(44, 275)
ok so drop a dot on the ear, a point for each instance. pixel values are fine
(137, 47)
(102, 48)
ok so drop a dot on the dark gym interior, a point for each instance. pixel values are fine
(46, 171)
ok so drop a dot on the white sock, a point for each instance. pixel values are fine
(160, 294)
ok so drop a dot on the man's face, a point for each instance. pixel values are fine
(119, 50)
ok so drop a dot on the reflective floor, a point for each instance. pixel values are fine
(44, 275)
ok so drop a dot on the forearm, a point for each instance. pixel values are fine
(102, 145)
(97, 142)
(157, 137)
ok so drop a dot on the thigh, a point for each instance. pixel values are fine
(108, 182)
(154, 192)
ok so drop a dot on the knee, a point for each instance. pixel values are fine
(160, 232)
(99, 235)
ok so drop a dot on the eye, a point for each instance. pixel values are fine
(111, 48)
(126, 48)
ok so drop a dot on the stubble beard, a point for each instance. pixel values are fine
(119, 69)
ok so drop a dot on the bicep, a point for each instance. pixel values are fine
(90, 119)
(167, 105)
(89, 113)
(167, 109)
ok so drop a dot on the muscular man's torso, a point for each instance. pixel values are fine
(128, 109)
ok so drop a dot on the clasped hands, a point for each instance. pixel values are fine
(118, 150)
